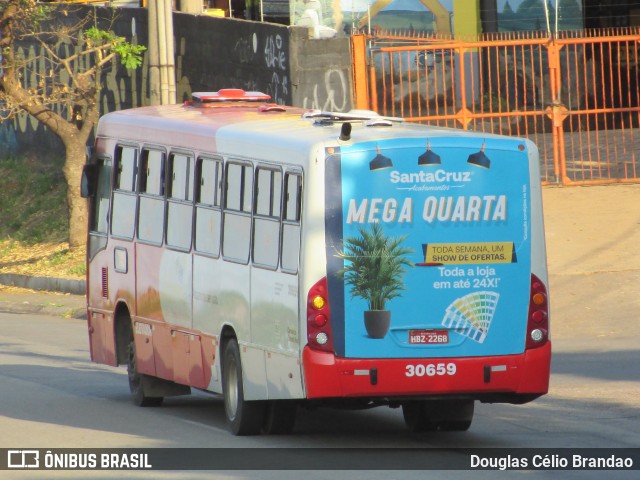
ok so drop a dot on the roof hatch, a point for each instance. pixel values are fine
(228, 95)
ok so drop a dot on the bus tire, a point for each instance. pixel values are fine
(444, 415)
(416, 417)
(244, 417)
(280, 417)
(459, 416)
(137, 380)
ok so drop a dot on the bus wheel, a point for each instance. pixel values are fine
(244, 417)
(280, 417)
(136, 381)
(416, 417)
(458, 417)
(444, 415)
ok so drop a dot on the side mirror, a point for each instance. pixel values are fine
(88, 180)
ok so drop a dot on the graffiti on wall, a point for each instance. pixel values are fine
(121, 88)
(331, 94)
(275, 57)
(256, 58)
(211, 54)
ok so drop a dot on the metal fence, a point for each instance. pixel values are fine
(575, 94)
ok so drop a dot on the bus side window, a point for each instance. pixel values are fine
(291, 222)
(124, 195)
(100, 213)
(152, 172)
(266, 222)
(237, 212)
(208, 186)
(151, 208)
(126, 168)
(179, 207)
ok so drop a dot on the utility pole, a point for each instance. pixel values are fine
(154, 56)
(162, 78)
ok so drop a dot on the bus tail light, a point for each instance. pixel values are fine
(319, 335)
(538, 320)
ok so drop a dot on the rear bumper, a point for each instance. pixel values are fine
(510, 378)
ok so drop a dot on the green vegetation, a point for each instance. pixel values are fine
(34, 220)
(61, 89)
(32, 201)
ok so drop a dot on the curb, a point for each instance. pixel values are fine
(60, 297)
(40, 308)
(62, 285)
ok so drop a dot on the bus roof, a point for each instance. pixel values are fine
(245, 127)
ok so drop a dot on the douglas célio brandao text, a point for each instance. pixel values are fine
(552, 461)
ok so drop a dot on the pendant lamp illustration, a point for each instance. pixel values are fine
(429, 157)
(479, 159)
(380, 161)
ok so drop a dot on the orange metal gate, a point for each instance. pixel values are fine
(576, 96)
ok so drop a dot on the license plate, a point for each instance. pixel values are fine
(428, 337)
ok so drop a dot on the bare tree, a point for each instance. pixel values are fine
(60, 87)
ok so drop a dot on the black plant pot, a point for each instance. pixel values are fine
(377, 322)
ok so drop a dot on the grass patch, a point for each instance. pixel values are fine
(33, 206)
(34, 220)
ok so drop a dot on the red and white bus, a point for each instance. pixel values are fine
(283, 257)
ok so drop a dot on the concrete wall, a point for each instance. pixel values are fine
(321, 72)
(214, 53)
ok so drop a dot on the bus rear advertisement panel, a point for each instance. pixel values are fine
(432, 267)
(464, 231)
(282, 257)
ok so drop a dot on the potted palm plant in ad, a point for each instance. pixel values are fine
(374, 268)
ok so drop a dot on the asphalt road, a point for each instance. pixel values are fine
(52, 396)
